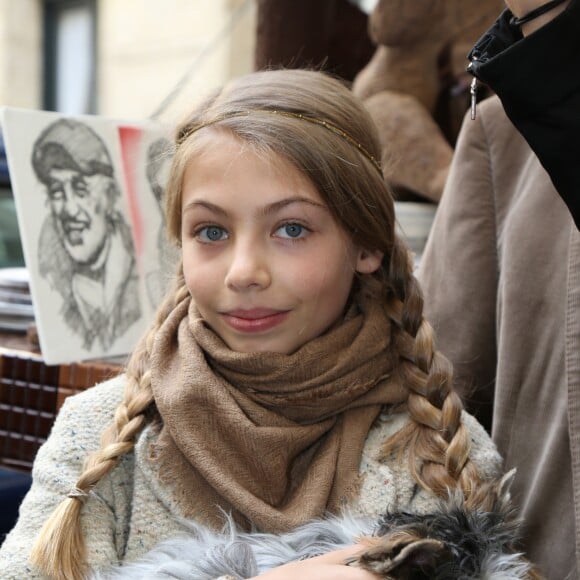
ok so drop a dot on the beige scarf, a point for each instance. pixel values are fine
(274, 439)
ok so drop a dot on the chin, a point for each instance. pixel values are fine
(80, 257)
(81, 252)
(257, 343)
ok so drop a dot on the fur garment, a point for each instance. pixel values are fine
(456, 542)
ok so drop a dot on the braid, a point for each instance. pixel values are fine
(60, 551)
(437, 440)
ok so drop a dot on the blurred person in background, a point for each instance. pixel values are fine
(504, 251)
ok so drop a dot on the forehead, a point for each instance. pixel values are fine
(62, 174)
(222, 161)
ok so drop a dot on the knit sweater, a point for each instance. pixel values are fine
(130, 510)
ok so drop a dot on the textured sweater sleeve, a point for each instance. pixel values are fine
(388, 484)
(58, 464)
(459, 272)
(484, 457)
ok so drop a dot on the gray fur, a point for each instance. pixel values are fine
(206, 555)
(477, 546)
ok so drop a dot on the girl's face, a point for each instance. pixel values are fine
(263, 258)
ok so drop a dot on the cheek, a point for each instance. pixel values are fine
(95, 206)
(58, 217)
(322, 279)
(201, 279)
(88, 211)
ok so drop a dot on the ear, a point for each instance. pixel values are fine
(403, 559)
(420, 557)
(368, 262)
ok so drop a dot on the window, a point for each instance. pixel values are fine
(70, 56)
(10, 247)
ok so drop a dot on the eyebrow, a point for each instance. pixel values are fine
(267, 210)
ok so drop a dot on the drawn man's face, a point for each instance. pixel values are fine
(79, 204)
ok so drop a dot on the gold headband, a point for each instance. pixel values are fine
(326, 124)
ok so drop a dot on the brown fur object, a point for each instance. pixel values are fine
(421, 54)
(468, 539)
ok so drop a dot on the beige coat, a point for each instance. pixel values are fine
(501, 276)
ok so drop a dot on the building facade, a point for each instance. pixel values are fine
(121, 58)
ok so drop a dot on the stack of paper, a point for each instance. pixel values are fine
(16, 311)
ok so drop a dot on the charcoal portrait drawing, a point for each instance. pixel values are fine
(159, 156)
(85, 248)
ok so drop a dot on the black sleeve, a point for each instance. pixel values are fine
(537, 79)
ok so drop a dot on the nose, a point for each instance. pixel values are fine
(248, 268)
(70, 204)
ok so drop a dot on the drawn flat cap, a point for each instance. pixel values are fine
(70, 144)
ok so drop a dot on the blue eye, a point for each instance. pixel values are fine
(211, 234)
(291, 230)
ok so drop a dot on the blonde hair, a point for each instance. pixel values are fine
(356, 194)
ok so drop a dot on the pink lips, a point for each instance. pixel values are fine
(255, 320)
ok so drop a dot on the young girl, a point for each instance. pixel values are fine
(283, 369)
